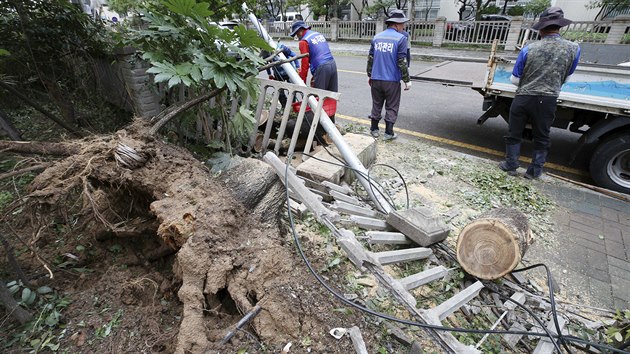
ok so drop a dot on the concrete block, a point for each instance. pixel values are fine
(544, 345)
(343, 188)
(398, 256)
(364, 148)
(344, 198)
(384, 237)
(425, 277)
(370, 223)
(351, 209)
(354, 250)
(512, 339)
(451, 305)
(418, 227)
(298, 208)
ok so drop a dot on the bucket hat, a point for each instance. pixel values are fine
(551, 16)
(296, 27)
(397, 16)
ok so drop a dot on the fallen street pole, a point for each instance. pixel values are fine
(373, 190)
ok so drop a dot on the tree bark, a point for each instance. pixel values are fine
(39, 148)
(256, 185)
(40, 109)
(494, 244)
(12, 306)
(6, 125)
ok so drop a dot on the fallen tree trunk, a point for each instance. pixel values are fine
(39, 147)
(494, 244)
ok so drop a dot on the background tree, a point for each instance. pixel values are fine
(516, 10)
(536, 7)
(51, 46)
(194, 57)
(607, 7)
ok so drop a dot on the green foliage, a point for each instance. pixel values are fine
(516, 10)
(619, 331)
(494, 188)
(490, 10)
(5, 199)
(536, 7)
(41, 333)
(185, 48)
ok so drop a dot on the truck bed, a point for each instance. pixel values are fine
(601, 88)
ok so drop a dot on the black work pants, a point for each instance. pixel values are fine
(540, 111)
(385, 93)
(325, 77)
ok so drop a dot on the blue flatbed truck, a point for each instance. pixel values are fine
(594, 103)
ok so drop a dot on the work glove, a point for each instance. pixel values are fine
(370, 81)
(407, 86)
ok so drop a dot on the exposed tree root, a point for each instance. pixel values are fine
(232, 253)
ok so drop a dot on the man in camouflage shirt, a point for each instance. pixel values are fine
(540, 70)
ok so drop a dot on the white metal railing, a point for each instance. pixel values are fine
(476, 32)
(438, 32)
(276, 103)
(421, 31)
(357, 29)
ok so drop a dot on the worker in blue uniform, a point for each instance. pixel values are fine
(386, 67)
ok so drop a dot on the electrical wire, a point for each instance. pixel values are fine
(381, 190)
(552, 300)
(298, 244)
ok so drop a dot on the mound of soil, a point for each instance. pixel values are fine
(155, 254)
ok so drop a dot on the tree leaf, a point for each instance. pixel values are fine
(26, 294)
(44, 290)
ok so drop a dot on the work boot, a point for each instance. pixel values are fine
(389, 132)
(535, 168)
(374, 127)
(512, 152)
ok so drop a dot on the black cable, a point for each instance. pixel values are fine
(381, 190)
(413, 323)
(551, 299)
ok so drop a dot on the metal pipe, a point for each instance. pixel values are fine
(351, 159)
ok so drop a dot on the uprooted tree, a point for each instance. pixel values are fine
(226, 232)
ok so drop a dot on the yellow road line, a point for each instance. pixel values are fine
(466, 146)
(352, 72)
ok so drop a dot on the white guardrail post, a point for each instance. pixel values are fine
(351, 159)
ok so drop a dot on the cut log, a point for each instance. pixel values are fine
(494, 244)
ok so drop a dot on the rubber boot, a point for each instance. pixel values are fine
(512, 152)
(535, 168)
(389, 131)
(374, 128)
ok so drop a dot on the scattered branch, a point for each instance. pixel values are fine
(25, 170)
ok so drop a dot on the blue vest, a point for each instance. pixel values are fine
(386, 48)
(319, 52)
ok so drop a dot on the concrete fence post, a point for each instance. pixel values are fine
(334, 29)
(439, 31)
(618, 29)
(514, 33)
(138, 82)
(380, 26)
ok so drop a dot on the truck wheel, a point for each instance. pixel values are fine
(610, 163)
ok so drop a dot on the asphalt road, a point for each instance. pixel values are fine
(448, 116)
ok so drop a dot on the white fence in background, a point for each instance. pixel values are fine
(440, 32)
